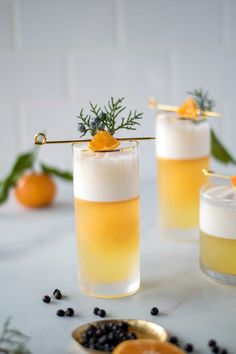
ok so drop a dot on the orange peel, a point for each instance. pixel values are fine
(142, 346)
(103, 140)
(188, 109)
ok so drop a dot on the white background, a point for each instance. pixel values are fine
(56, 55)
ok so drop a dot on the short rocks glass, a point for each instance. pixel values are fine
(218, 232)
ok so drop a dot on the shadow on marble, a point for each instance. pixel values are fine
(17, 212)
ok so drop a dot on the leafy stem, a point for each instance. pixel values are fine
(67, 175)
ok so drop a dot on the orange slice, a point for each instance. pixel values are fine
(233, 180)
(103, 140)
(146, 346)
(188, 109)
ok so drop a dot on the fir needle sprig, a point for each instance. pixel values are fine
(12, 341)
(202, 99)
(108, 118)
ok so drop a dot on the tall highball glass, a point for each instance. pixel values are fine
(106, 195)
(182, 151)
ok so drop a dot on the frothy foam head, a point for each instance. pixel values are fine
(218, 211)
(181, 138)
(105, 176)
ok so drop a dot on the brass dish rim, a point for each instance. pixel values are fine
(163, 333)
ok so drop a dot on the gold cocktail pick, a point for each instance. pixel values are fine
(153, 104)
(210, 173)
(40, 139)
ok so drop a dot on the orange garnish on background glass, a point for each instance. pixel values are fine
(233, 180)
(188, 109)
(103, 140)
(143, 346)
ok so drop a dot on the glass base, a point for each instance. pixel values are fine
(180, 235)
(110, 291)
(228, 279)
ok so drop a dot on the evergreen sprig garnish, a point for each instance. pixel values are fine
(12, 341)
(202, 99)
(218, 150)
(108, 118)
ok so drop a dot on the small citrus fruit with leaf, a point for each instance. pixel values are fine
(32, 189)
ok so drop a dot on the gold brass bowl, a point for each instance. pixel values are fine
(143, 329)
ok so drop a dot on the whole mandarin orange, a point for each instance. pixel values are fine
(35, 190)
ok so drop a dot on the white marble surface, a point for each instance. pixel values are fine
(37, 254)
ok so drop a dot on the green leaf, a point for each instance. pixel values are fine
(219, 152)
(56, 172)
(22, 163)
(4, 190)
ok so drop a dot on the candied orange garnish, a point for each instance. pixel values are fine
(188, 109)
(142, 346)
(103, 140)
(233, 180)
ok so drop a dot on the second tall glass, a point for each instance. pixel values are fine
(182, 151)
(106, 195)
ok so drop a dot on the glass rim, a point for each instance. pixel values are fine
(174, 115)
(133, 145)
(204, 195)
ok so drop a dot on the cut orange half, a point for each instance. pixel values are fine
(188, 109)
(146, 346)
(103, 140)
(233, 180)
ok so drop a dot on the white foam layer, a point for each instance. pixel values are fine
(218, 215)
(105, 177)
(181, 139)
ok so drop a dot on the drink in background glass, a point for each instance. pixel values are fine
(182, 151)
(107, 217)
(218, 232)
